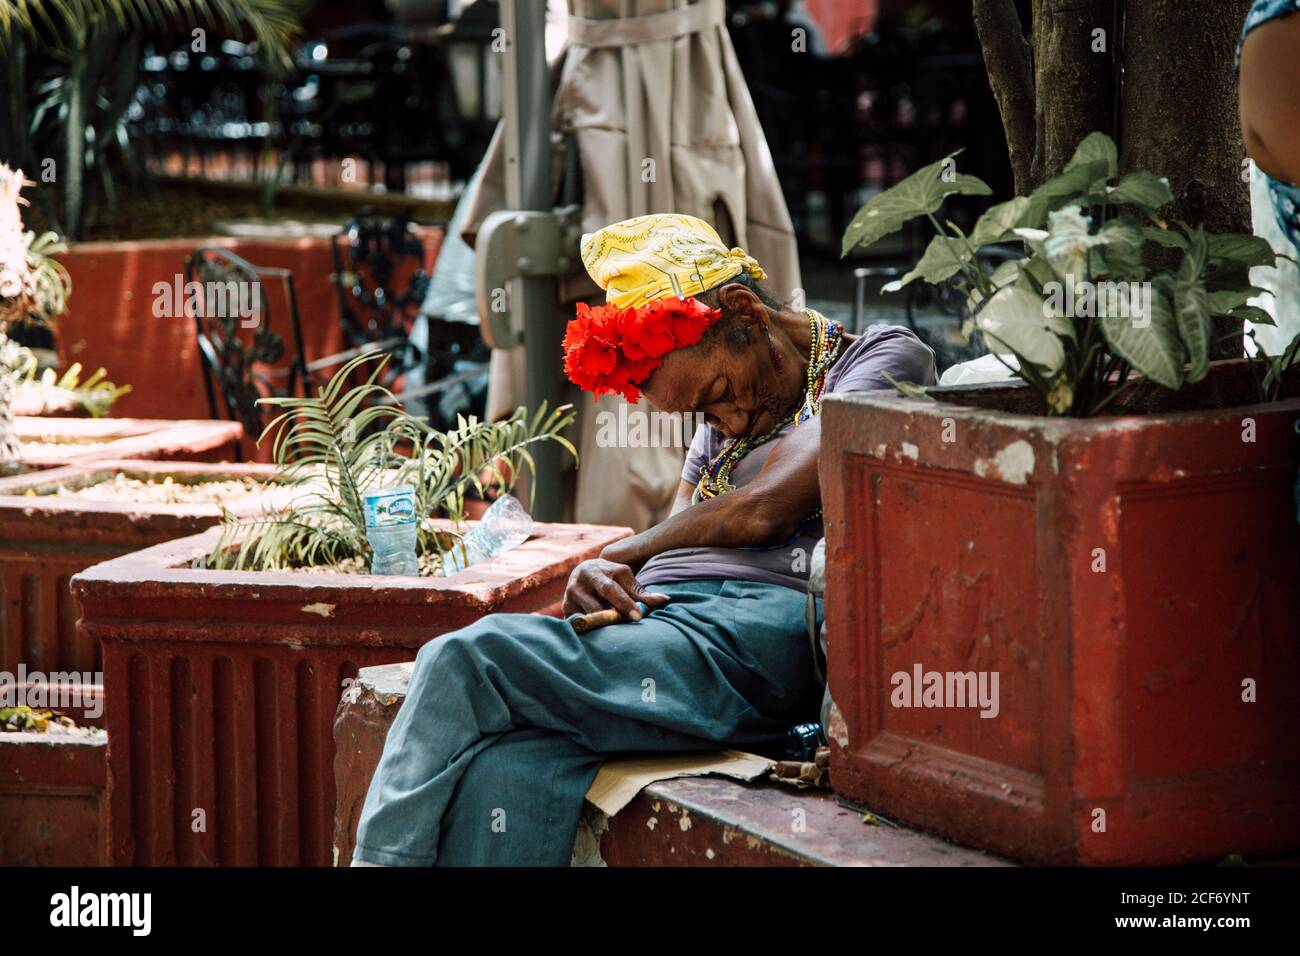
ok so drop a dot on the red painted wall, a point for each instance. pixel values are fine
(110, 320)
(842, 19)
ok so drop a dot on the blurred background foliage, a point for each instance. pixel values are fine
(73, 75)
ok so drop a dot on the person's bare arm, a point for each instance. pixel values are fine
(766, 511)
(683, 500)
(1269, 97)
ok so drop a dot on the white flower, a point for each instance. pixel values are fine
(15, 264)
(11, 284)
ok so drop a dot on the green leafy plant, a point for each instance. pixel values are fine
(335, 445)
(95, 393)
(1106, 288)
(75, 107)
(22, 719)
(34, 288)
(1278, 366)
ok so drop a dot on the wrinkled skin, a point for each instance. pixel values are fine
(732, 380)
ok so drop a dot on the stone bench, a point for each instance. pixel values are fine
(685, 821)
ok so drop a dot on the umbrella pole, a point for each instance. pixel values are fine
(526, 109)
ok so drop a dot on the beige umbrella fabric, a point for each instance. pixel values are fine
(653, 96)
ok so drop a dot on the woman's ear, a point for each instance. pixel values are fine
(742, 305)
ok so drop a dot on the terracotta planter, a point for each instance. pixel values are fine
(53, 800)
(78, 440)
(222, 685)
(366, 711)
(44, 540)
(1125, 579)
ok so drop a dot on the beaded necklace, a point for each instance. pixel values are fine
(826, 337)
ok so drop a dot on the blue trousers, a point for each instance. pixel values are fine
(506, 722)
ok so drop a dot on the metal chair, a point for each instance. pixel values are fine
(240, 353)
(381, 281)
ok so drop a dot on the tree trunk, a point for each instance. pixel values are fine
(1054, 89)
(1180, 106)
(1074, 75)
(1180, 115)
(1173, 110)
(1009, 61)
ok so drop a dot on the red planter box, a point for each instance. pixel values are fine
(105, 438)
(53, 801)
(222, 685)
(45, 540)
(971, 540)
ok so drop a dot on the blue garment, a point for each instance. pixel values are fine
(507, 721)
(1286, 196)
(1286, 206)
(1261, 12)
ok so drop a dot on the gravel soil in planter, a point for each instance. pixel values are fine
(53, 798)
(46, 442)
(222, 685)
(48, 533)
(1130, 581)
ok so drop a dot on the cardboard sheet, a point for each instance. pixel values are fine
(622, 778)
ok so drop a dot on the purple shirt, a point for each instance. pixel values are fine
(862, 366)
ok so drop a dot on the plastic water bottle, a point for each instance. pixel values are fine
(505, 525)
(392, 530)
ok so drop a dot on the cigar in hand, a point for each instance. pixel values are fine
(589, 622)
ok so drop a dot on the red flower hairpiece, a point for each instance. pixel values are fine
(608, 349)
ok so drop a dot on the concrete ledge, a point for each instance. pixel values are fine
(113, 438)
(716, 821)
(687, 821)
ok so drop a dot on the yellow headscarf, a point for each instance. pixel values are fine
(653, 257)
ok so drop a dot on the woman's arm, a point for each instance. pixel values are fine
(1269, 97)
(766, 511)
(683, 500)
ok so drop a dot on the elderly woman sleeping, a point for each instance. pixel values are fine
(507, 721)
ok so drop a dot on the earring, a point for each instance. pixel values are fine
(772, 352)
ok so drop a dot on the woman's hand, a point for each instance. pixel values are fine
(598, 584)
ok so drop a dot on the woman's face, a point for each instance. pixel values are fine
(732, 382)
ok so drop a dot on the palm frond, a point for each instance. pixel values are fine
(333, 446)
(274, 24)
